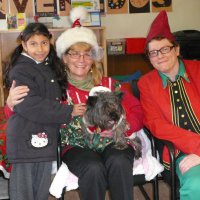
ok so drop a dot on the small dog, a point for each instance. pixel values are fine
(105, 117)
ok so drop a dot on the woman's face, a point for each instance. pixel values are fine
(37, 47)
(79, 61)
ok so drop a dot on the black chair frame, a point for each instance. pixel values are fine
(169, 176)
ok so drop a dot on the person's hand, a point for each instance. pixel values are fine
(79, 109)
(188, 162)
(16, 95)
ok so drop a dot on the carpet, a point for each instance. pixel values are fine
(4, 188)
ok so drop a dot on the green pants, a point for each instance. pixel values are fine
(189, 182)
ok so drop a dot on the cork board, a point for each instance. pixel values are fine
(3, 8)
(21, 6)
(45, 8)
(117, 6)
(158, 5)
(64, 7)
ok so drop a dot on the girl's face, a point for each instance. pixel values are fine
(79, 62)
(37, 47)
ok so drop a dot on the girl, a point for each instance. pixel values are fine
(33, 128)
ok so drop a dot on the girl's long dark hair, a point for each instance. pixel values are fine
(55, 63)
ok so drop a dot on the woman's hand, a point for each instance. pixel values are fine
(79, 109)
(188, 162)
(16, 95)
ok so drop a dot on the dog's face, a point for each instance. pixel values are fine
(104, 110)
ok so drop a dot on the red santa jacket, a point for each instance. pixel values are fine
(155, 100)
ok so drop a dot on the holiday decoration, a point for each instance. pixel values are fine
(117, 6)
(139, 6)
(158, 5)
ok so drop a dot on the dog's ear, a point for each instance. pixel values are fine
(120, 95)
(91, 101)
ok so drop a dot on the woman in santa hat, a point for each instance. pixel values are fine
(170, 96)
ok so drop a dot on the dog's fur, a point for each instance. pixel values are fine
(105, 111)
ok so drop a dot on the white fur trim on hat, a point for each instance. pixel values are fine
(96, 89)
(74, 35)
(77, 34)
(80, 13)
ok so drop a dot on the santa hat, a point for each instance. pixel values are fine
(77, 33)
(160, 27)
(96, 89)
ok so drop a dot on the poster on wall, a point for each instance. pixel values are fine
(90, 5)
(46, 8)
(3, 9)
(11, 21)
(21, 21)
(117, 7)
(21, 6)
(93, 19)
(158, 5)
(16, 21)
(139, 6)
(64, 7)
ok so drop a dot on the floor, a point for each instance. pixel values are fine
(73, 195)
(3, 188)
(163, 193)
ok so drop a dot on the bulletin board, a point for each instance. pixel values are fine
(51, 8)
(45, 8)
(139, 6)
(20, 6)
(64, 7)
(117, 6)
(3, 9)
(158, 5)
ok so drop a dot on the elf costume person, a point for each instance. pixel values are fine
(170, 96)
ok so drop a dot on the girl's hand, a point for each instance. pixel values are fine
(79, 109)
(16, 95)
(188, 162)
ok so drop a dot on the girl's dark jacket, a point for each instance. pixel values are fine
(33, 129)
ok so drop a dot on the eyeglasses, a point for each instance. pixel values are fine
(77, 55)
(163, 50)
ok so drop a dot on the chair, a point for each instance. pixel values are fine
(169, 176)
(139, 180)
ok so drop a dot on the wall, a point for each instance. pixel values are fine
(185, 15)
